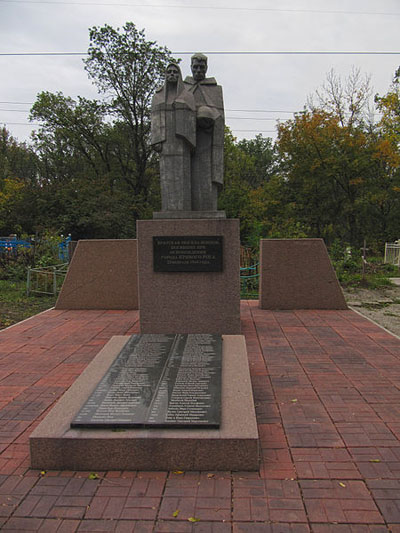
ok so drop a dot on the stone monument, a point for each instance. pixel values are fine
(189, 254)
(188, 132)
(181, 389)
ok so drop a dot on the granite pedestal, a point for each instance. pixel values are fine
(298, 274)
(102, 275)
(189, 302)
(234, 446)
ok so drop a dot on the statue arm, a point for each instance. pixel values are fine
(158, 133)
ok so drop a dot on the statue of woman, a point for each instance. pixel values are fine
(173, 135)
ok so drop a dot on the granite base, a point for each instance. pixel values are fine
(188, 214)
(234, 446)
(102, 275)
(189, 302)
(298, 274)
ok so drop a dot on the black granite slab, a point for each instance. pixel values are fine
(159, 381)
(188, 253)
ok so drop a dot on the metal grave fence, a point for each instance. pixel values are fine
(392, 253)
(46, 280)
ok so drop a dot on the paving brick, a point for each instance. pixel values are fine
(183, 507)
(258, 500)
(313, 434)
(139, 508)
(348, 528)
(22, 524)
(118, 487)
(343, 428)
(142, 486)
(277, 464)
(366, 434)
(324, 463)
(252, 527)
(137, 526)
(187, 527)
(334, 501)
(272, 436)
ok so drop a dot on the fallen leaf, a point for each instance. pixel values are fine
(294, 400)
(374, 460)
(178, 472)
(341, 484)
(193, 519)
(93, 475)
(210, 475)
(175, 513)
(43, 472)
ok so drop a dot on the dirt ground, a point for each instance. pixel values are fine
(381, 305)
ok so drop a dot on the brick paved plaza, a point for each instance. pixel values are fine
(327, 392)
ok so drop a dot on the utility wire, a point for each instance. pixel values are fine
(208, 7)
(36, 124)
(6, 123)
(228, 118)
(230, 52)
(15, 110)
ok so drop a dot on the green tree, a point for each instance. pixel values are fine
(97, 170)
(263, 159)
(385, 196)
(127, 69)
(18, 192)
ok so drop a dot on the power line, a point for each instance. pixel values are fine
(231, 110)
(207, 7)
(256, 110)
(16, 110)
(19, 123)
(228, 118)
(249, 118)
(229, 52)
(36, 124)
(18, 103)
(259, 131)
(44, 53)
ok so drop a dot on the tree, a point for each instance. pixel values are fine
(100, 148)
(389, 106)
(263, 159)
(347, 100)
(127, 69)
(327, 167)
(385, 196)
(18, 194)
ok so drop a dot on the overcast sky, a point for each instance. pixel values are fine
(277, 84)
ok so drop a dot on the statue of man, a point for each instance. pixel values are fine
(208, 156)
(173, 135)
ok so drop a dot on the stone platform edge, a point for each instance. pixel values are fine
(234, 446)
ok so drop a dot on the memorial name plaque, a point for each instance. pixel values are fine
(159, 381)
(188, 254)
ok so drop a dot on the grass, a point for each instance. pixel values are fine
(16, 306)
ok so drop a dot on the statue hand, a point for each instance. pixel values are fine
(205, 122)
(205, 117)
(157, 147)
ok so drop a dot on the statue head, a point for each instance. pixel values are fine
(173, 73)
(199, 66)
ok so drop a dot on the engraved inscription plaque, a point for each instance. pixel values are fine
(159, 381)
(188, 253)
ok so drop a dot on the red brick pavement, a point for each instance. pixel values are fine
(327, 396)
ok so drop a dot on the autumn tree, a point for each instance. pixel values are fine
(327, 168)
